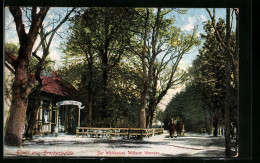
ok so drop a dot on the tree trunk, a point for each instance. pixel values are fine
(237, 78)
(227, 102)
(148, 120)
(142, 113)
(21, 90)
(151, 110)
(90, 104)
(211, 125)
(152, 98)
(104, 86)
(207, 124)
(142, 123)
(90, 88)
(22, 86)
(215, 123)
(105, 68)
(33, 115)
(151, 119)
(37, 102)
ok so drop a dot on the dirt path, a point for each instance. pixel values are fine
(191, 145)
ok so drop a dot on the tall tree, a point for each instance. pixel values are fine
(236, 76)
(147, 65)
(46, 37)
(102, 36)
(156, 46)
(162, 79)
(227, 100)
(113, 41)
(80, 43)
(144, 46)
(232, 63)
(22, 82)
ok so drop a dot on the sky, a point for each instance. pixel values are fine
(187, 22)
(194, 16)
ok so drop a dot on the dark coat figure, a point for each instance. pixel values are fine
(179, 127)
(171, 128)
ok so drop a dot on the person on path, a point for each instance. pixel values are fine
(180, 125)
(171, 128)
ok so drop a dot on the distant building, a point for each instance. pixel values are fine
(8, 80)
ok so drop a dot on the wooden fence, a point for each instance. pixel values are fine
(109, 132)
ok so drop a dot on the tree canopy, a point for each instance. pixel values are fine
(117, 56)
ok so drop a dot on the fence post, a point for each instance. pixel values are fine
(110, 133)
(128, 136)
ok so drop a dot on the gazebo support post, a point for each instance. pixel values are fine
(79, 118)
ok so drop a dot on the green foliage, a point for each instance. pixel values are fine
(204, 95)
(188, 106)
(48, 64)
(210, 70)
(110, 40)
(123, 92)
(97, 44)
(124, 95)
(13, 48)
(159, 116)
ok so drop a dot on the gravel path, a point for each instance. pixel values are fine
(191, 145)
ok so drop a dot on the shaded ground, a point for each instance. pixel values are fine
(191, 145)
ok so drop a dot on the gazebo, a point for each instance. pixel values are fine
(67, 103)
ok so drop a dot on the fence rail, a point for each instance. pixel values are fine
(109, 132)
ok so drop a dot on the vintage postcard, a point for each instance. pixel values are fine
(121, 82)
